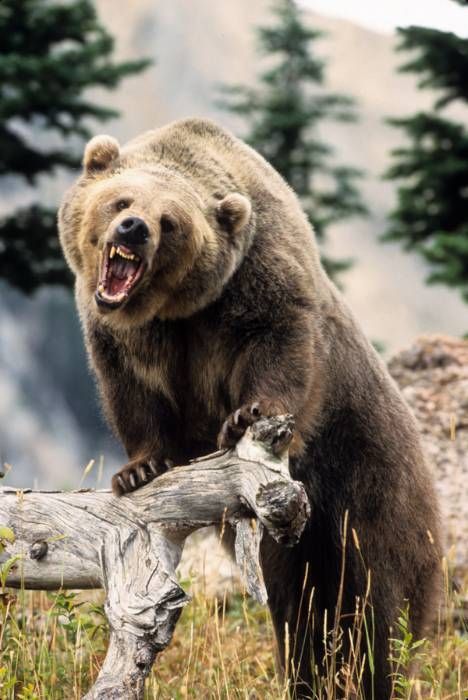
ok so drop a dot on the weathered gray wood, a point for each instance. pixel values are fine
(132, 545)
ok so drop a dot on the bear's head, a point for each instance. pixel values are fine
(146, 238)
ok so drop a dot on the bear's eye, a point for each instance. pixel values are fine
(122, 204)
(167, 225)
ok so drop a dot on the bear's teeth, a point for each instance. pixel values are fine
(101, 289)
(112, 252)
(127, 256)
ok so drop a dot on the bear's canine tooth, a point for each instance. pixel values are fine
(101, 288)
(112, 252)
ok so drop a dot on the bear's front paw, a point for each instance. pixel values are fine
(136, 474)
(237, 423)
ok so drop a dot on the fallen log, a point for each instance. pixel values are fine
(131, 546)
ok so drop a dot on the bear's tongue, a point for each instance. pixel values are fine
(119, 274)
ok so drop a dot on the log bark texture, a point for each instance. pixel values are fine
(132, 545)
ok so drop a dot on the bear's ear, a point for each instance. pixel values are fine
(99, 153)
(233, 212)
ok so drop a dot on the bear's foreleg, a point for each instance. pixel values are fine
(147, 427)
(275, 374)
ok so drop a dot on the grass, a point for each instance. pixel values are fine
(52, 646)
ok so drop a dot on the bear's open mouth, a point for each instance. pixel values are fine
(121, 271)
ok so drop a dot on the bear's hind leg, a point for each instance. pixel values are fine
(291, 603)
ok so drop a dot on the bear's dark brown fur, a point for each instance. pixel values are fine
(225, 306)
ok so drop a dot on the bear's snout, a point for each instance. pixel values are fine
(131, 231)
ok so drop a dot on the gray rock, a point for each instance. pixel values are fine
(433, 376)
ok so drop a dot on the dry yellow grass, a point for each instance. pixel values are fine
(52, 646)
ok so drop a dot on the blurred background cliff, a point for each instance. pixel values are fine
(50, 424)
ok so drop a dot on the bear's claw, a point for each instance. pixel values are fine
(136, 474)
(237, 423)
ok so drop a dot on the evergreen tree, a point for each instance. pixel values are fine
(284, 114)
(431, 213)
(50, 53)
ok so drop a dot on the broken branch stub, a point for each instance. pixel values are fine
(131, 546)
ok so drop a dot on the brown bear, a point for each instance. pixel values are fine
(204, 306)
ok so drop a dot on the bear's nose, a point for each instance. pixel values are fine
(132, 231)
